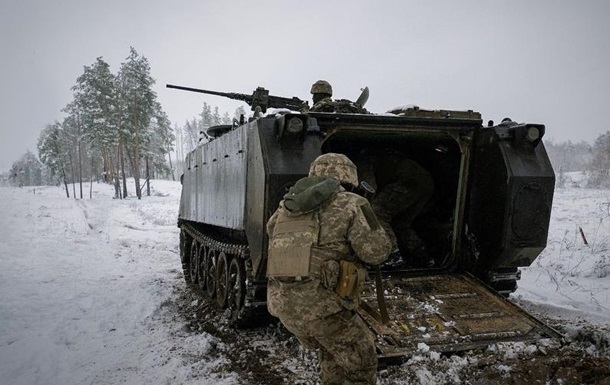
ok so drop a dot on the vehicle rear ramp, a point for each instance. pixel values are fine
(446, 312)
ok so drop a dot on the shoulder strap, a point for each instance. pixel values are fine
(383, 310)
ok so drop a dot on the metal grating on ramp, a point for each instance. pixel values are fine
(449, 312)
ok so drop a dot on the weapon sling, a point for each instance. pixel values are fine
(380, 299)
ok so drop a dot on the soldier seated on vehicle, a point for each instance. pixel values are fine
(322, 93)
(403, 187)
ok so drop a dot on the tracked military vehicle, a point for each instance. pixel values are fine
(489, 215)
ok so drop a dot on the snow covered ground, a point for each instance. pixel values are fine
(88, 291)
(571, 278)
(83, 286)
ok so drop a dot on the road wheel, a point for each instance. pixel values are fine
(222, 280)
(210, 267)
(202, 270)
(194, 261)
(185, 254)
(237, 287)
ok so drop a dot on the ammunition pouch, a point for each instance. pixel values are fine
(350, 283)
(329, 274)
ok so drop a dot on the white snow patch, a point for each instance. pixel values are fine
(422, 347)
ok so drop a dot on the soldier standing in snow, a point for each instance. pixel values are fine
(319, 231)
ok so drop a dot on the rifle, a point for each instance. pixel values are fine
(259, 98)
(365, 190)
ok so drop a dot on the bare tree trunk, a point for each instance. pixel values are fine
(63, 174)
(135, 162)
(171, 168)
(122, 159)
(72, 172)
(80, 167)
(147, 184)
(105, 166)
(117, 183)
(135, 171)
(147, 178)
(109, 169)
(91, 180)
(179, 145)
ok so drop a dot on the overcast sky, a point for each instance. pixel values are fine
(534, 61)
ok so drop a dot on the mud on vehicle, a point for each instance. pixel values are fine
(488, 216)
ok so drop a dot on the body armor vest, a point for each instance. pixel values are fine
(291, 244)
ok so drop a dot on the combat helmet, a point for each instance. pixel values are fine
(336, 166)
(322, 87)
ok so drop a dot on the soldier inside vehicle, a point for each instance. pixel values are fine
(415, 183)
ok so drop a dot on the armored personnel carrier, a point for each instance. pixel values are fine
(488, 216)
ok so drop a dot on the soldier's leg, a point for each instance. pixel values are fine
(386, 207)
(347, 343)
(331, 373)
(415, 250)
(422, 188)
(388, 203)
(301, 331)
(419, 192)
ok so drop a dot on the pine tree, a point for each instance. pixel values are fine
(599, 167)
(27, 171)
(52, 154)
(216, 120)
(207, 119)
(96, 95)
(111, 120)
(159, 141)
(191, 134)
(226, 119)
(240, 113)
(70, 140)
(137, 106)
(73, 128)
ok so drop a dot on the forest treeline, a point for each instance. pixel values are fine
(592, 161)
(113, 129)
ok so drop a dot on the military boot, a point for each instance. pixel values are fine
(415, 250)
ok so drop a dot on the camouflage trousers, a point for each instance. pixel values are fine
(396, 205)
(314, 314)
(347, 348)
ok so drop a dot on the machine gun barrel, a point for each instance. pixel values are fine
(260, 98)
(230, 95)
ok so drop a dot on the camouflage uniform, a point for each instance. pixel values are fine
(309, 307)
(342, 106)
(325, 105)
(403, 189)
(322, 92)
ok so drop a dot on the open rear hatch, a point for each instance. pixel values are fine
(446, 312)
